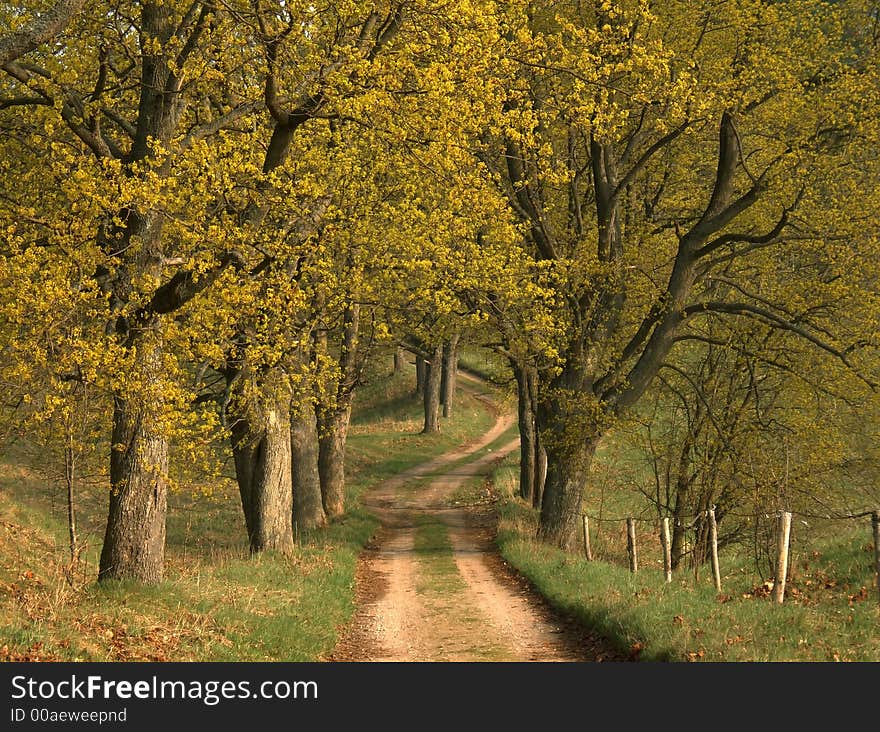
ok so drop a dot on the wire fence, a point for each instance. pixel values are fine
(708, 542)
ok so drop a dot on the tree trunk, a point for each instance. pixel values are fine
(70, 480)
(399, 360)
(450, 372)
(432, 391)
(533, 456)
(331, 460)
(261, 452)
(333, 419)
(421, 375)
(134, 539)
(308, 506)
(527, 434)
(682, 505)
(568, 455)
(678, 535)
(567, 473)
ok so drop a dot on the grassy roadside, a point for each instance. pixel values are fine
(486, 364)
(830, 613)
(216, 603)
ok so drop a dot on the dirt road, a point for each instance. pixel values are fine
(432, 588)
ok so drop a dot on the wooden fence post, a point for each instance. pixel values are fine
(783, 540)
(875, 525)
(631, 545)
(588, 551)
(667, 549)
(713, 541)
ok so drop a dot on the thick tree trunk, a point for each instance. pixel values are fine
(527, 434)
(567, 474)
(540, 452)
(432, 391)
(333, 419)
(134, 539)
(331, 460)
(421, 376)
(261, 452)
(450, 372)
(308, 506)
(569, 452)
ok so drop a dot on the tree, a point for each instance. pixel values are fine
(646, 152)
(127, 129)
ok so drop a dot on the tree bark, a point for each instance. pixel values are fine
(682, 505)
(528, 445)
(308, 505)
(37, 31)
(432, 391)
(563, 494)
(333, 429)
(70, 480)
(399, 360)
(134, 539)
(450, 372)
(540, 452)
(540, 472)
(261, 452)
(421, 375)
(333, 419)
(569, 454)
(678, 539)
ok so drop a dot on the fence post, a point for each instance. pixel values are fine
(875, 525)
(631, 545)
(588, 551)
(783, 540)
(713, 541)
(667, 549)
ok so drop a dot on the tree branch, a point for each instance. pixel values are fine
(183, 286)
(646, 156)
(775, 321)
(38, 31)
(755, 239)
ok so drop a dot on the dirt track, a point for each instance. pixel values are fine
(432, 588)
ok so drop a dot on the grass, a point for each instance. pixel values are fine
(438, 573)
(830, 612)
(442, 590)
(216, 603)
(487, 364)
